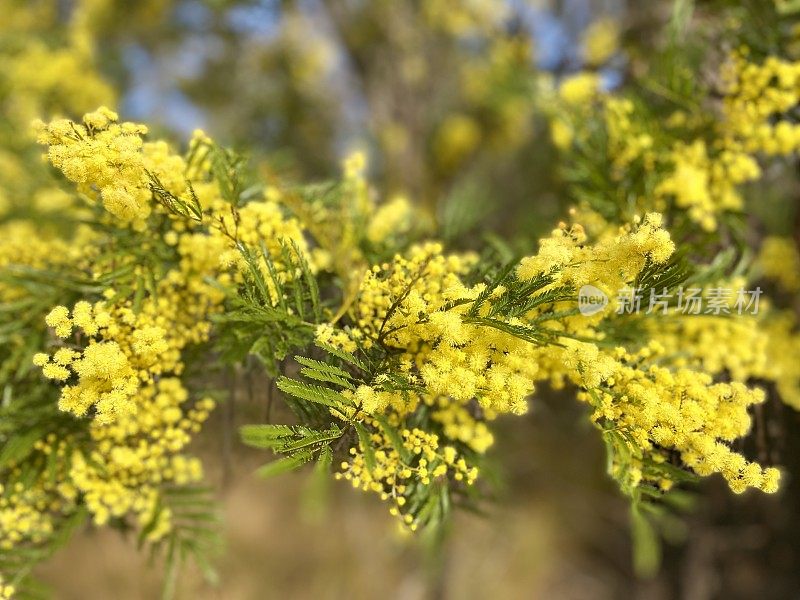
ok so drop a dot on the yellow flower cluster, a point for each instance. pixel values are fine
(28, 509)
(406, 305)
(627, 140)
(779, 261)
(459, 424)
(125, 351)
(23, 515)
(609, 264)
(699, 161)
(390, 219)
(40, 76)
(418, 306)
(41, 71)
(140, 424)
(561, 133)
(371, 401)
(713, 344)
(745, 348)
(24, 244)
(112, 163)
(661, 410)
(456, 139)
(130, 459)
(600, 41)
(659, 400)
(257, 223)
(118, 359)
(393, 472)
(758, 97)
(103, 155)
(580, 89)
(420, 282)
(135, 454)
(707, 186)
(411, 304)
(781, 331)
(468, 373)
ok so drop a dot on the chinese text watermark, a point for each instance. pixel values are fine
(682, 300)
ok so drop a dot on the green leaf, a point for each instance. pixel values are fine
(529, 334)
(646, 545)
(394, 437)
(285, 464)
(174, 204)
(500, 278)
(286, 438)
(326, 378)
(324, 367)
(194, 536)
(312, 393)
(310, 282)
(312, 439)
(268, 436)
(19, 446)
(341, 354)
(682, 11)
(366, 447)
(320, 371)
(315, 498)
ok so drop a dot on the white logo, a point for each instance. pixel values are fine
(591, 300)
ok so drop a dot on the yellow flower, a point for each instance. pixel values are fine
(579, 89)
(58, 319)
(600, 41)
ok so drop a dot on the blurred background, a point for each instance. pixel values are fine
(440, 94)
